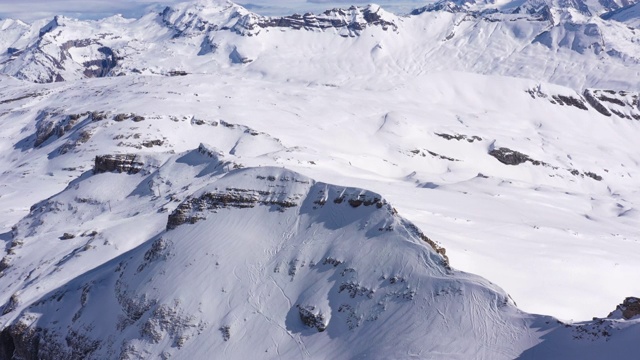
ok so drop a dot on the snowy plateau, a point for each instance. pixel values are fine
(208, 183)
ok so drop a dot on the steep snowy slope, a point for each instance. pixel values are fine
(258, 261)
(437, 146)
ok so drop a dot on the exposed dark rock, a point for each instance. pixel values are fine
(50, 124)
(209, 152)
(101, 67)
(508, 156)
(152, 143)
(98, 115)
(512, 157)
(331, 261)
(612, 100)
(11, 305)
(189, 210)
(460, 137)
(226, 124)
(226, 332)
(593, 101)
(354, 289)
(138, 118)
(630, 307)
(5, 263)
(424, 153)
(366, 201)
(67, 236)
(122, 163)
(19, 98)
(311, 318)
(54, 23)
(623, 104)
(570, 101)
(178, 73)
(594, 176)
(25, 342)
(121, 117)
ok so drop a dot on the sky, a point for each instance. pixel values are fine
(29, 10)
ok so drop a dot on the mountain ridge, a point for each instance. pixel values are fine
(226, 35)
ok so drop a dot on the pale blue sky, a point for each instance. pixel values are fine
(29, 10)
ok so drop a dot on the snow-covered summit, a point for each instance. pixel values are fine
(202, 16)
(259, 259)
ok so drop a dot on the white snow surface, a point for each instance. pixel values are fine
(231, 229)
(552, 41)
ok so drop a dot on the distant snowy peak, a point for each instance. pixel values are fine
(210, 15)
(210, 35)
(202, 16)
(353, 20)
(531, 7)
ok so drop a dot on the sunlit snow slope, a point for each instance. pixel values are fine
(186, 209)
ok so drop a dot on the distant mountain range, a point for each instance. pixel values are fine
(564, 42)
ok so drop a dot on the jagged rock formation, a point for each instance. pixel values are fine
(122, 163)
(623, 104)
(629, 309)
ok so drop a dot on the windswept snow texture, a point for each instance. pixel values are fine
(321, 186)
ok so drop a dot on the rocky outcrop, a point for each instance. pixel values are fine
(311, 317)
(52, 124)
(509, 157)
(512, 157)
(569, 101)
(593, 101)
(24, 342)
(121, 163)
(558, 99)
(191, 210)
(459, 137)
(629, 308)
(101, 67)
(623, 104)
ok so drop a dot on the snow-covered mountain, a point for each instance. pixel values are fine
(206, 182)
(559, 42)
